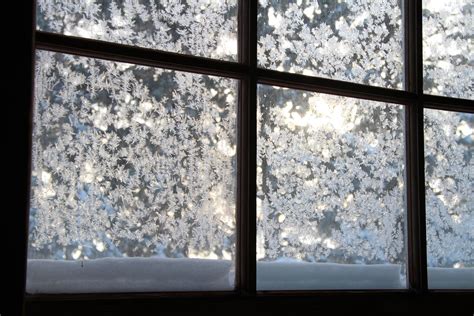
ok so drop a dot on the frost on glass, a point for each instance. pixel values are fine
(198, 27)
(449, 172)
(330, 202)
(448, 48)
(357, 40)
(132, 161)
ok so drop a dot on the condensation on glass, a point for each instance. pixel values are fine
(449, 182)
(359, 41)
(133, 178)
(331, 198)
(202, 28)
(448, 48)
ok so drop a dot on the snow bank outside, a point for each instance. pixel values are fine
(449, 278)
(129, 275)
(161, 274)
(310, 276)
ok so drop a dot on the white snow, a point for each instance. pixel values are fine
(165, 274)
(129, 275)
(449, 278)
(309, 276)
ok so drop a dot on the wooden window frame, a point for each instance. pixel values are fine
(417, 296)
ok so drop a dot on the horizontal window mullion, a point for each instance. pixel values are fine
(330, 86)
(137, 55)
(448, 104)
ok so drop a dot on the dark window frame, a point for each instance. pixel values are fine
(245, 296)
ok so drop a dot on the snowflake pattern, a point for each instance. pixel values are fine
(448, 48)
(330, 178)
(131, 161)
(353, 40)
(449, 169)
(198, 27)
(137, 161)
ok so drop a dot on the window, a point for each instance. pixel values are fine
(238, 148)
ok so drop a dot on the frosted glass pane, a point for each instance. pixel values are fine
(359, 41)
(330, 202)
(449, 172)
(196, 27)
(133, 178)
(448, 48)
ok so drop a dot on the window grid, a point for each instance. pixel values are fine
(250, 75)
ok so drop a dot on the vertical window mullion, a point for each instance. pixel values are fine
(417, 273)
(247, 160)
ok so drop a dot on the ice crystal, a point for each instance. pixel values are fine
(358, 40)
(198, 27)
(131, 161)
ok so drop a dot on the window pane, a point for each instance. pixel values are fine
(330, 202)
(448, 49)
(133, 178)
(359, 41)
(196, 27)
(449, 171)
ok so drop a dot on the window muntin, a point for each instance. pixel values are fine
(202, 28)
(256, 75)
(131, 162)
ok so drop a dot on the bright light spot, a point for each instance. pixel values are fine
(226, 148)
(226, 255)
(48, 192)
(76, 254)
(230, 98)
(326, 153)
(45, 177)
(227, 46)
(360, 19)
(274, 20)
(202, 255)
(99, 245)
(306, 239)
(88, 174)
(260, 245)
(456, 218)
(329, 243)
(444, 65)
(259, 208)
(436, 5)
(147, 106)
(339, 23)
(137, 118)
(309, 12)
(464, 129)
(348, 200)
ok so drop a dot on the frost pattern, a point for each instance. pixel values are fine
(131, 161)
(449, 168)
(330, 178)
(356, 40)
(448, 47)
(197, 27)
